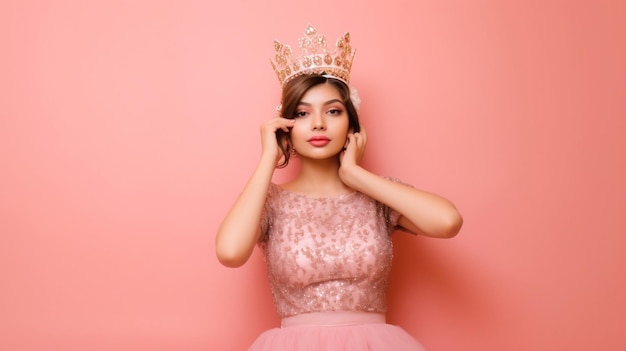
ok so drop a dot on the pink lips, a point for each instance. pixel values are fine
(319, 141)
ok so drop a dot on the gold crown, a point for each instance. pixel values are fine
(315, 57)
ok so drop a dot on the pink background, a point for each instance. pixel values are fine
(128, 128)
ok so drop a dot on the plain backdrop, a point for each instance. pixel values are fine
(128, 128)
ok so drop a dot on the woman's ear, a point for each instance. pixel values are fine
(286, 141)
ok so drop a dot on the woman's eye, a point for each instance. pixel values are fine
(300, 114)
(334, 111)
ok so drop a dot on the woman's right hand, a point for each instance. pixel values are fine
(269, 142)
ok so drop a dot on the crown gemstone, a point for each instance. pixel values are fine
(328, 59)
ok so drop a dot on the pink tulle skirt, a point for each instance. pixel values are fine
(336, 331)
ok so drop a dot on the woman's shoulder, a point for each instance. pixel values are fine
(273, 190)
(276, 193)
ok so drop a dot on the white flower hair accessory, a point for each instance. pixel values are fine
(354, 96)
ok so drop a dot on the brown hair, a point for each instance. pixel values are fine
(294, 90)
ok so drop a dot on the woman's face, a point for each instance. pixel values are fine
(321, 127)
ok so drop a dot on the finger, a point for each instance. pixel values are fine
(356, 143)
(358, 139)
(362, 129)
(345, 145)
(289, 124)
(363, 140)
(283, 123)
(351, 139)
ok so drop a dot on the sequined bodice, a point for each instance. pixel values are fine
(326, 253)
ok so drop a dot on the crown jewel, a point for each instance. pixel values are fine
(315, 57)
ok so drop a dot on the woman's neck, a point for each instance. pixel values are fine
(318, 177)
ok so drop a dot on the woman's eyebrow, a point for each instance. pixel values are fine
(326, 103)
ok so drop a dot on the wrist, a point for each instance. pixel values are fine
(350, 175)
(268, 160)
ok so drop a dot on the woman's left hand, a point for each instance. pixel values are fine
(353, 152)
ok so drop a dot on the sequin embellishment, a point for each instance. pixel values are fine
(327, 253)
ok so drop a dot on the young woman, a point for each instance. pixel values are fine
(325, 234)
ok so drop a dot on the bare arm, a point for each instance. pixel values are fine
(422, 212)
(240, 229)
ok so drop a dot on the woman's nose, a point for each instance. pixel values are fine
(318, 122)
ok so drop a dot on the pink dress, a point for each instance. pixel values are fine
(328, 260)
